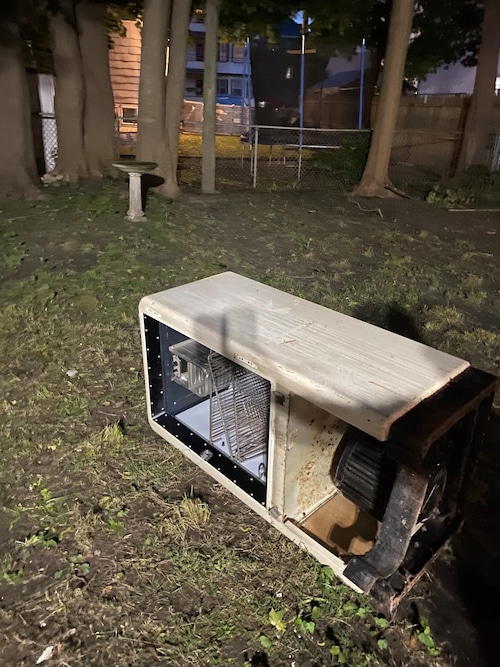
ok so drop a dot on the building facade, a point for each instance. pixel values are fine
(233, 70)
(233, 67)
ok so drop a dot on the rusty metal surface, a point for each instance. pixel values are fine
(313, 437)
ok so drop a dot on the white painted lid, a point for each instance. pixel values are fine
(367, 376)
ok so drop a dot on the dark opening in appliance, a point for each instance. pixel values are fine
(217, 408)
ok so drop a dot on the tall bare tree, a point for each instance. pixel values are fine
(69, 101)
(84, 99)
(18, 174)
(209, 96)
(179, 31)
(478, 123)
(151, 118)
(99, 116)
(375, 179)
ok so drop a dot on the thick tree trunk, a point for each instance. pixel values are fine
(209, 96)
(375, 177)
(372, 75)
(70, 95)
(18, 174)
(181, 13)
(155, 23)
(99, 117)
(474, 149)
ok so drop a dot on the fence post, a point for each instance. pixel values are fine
(255, 156)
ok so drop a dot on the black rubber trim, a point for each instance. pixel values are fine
(255, 487)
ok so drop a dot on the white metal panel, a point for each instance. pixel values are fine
(367, 376)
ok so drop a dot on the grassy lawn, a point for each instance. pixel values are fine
(114, 549)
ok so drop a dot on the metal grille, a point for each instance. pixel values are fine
(239, 408)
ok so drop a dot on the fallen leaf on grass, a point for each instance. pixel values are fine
(46, 655)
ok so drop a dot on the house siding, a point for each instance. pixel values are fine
(125, 66)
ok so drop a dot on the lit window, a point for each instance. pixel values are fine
(238, 53)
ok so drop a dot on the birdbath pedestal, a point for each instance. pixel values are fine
(135, 169)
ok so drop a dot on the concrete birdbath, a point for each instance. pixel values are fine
(135, 169)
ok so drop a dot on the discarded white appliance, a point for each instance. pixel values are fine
(355, 442)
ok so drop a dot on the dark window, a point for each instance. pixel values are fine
(236, 88)
(199, 52)
(222, 87)
(129, 115)
(199, 87)
(223, 53)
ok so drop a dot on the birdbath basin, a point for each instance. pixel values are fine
(135, 169)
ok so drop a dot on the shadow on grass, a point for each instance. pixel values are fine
(465, 604)
(477, 547)
(391, 317)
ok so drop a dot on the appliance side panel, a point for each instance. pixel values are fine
(278, 429)
(312, 440)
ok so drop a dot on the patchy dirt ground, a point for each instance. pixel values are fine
(114, 550)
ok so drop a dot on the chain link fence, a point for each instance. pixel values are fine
(230, 118)
(421, 158)
(283, 157)
(277, 158)
(289, 157)
(49, 138)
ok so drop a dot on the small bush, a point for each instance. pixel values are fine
(346, 162)
(476, 184)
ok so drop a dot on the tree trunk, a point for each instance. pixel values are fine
(179, 30)
(474, 149)
(99, 118)
(209, 96)
(18, 174)
(155, 23)
(372, 75)
(375, 177)
(70, 94)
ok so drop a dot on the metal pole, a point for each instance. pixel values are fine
(361, 84)
(243, 79)
(302, 72)
(248, 84)
(256, 144)
(302, 80)
(245, 84)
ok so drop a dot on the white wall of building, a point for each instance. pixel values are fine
(451, 79)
